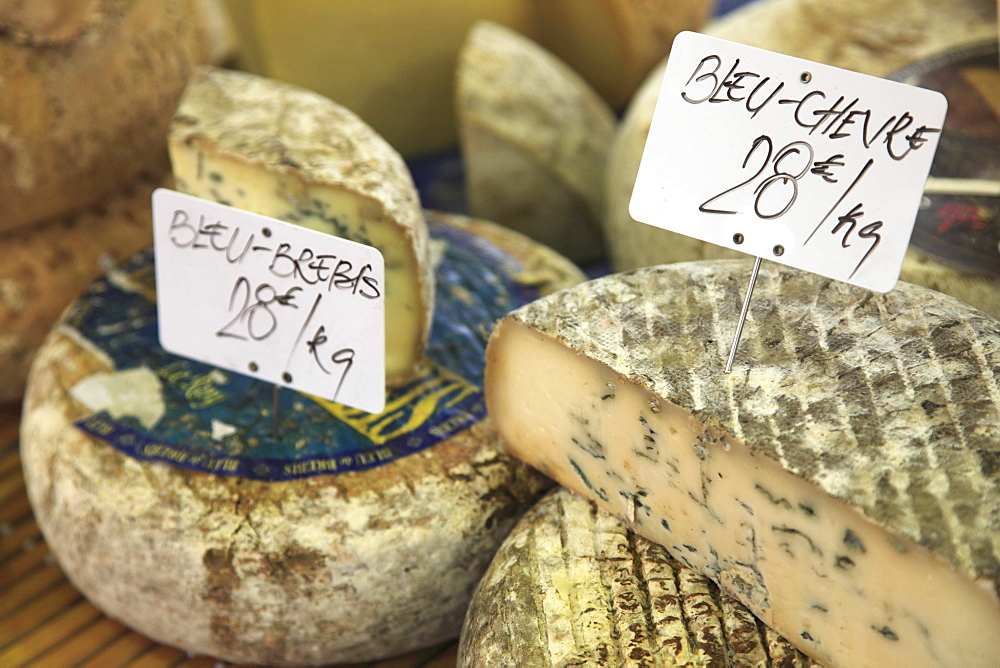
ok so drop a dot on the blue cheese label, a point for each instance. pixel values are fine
(203, 418)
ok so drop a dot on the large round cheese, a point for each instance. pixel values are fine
(160, 489)
(45, 267)
(874, 37)
(573, 586)
(87, 91)
(857, 436)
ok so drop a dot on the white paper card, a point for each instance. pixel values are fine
(270, 300)
(805, 164)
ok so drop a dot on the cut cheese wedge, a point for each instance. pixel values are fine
(534, 138)
(86, 93)
(164, 495)
(572, 586)
(841, 482)
(281, 151)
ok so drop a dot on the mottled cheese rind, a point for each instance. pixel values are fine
(534, 138)
(46, 266)
(572, 585)
(876, 38)
(281, 151)
(872, 423)
(87, 93)
(324, 569)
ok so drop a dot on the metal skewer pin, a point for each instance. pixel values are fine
(275, 404)
(743, 314)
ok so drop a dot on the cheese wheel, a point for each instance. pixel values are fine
(572, 586)
(45, 267)
(393, 64)
(876, 38)
(613, 44)
(534, 140)
(841, 482)
(87, 92)
(161, 491)
(281, 151)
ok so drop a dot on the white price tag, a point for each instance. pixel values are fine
(805, 164)
(271, 300)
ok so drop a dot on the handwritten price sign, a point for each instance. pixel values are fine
(270, 300)
(802, 163)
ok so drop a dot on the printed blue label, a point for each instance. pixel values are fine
(222, 422)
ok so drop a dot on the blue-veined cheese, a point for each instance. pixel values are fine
(534, 138)
(165, 497)
(841, 482)
(572, 586)
(281, 151)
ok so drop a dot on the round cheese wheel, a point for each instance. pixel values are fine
(572, 586)
(88, 89)
(161, 490)
(45, 267)
(874, 37)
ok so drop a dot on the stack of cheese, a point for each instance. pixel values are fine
(87, 88)
(842, 482)
(393, 63)
(331, 555)
(876, 37)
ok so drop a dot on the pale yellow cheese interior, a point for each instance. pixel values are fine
(337, 211)
(841, 588)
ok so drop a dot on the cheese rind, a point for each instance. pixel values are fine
(86, 95)
(281, 151)
(534, 140)
(329, 568)
(856, 436)
(45, 267)
(571, 585)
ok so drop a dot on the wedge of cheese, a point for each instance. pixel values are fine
(284, 152)
(534, 139)
(841, 482)
(46, 266)
(572, 586)
(876, 38)
(170, 504)
(86, 93)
